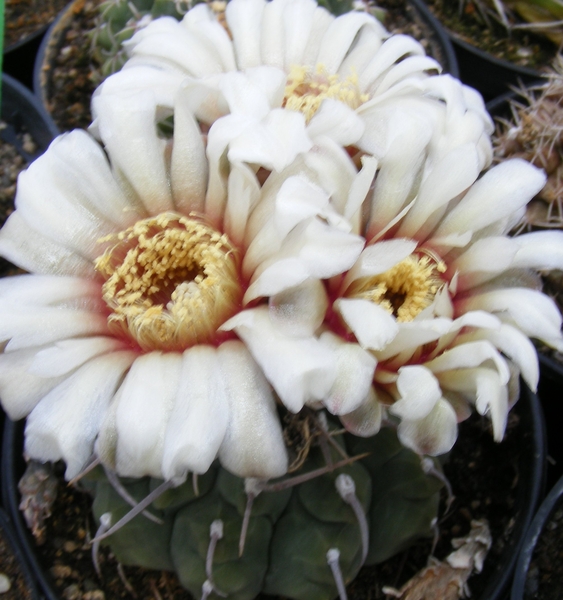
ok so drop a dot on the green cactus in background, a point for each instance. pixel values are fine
(367, 500)
(120, 19)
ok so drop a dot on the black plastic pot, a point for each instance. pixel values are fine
(17, 558)
(552, 501)
(19, 57)
(22, 111)
(530, 470)
(488, 74)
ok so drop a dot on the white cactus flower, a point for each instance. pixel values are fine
(345, 76)
(440, 297)
(113, 343)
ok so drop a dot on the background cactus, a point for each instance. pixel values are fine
(120, 19)
(290, 530)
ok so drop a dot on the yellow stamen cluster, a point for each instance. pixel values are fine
(171, 281)
(406, 289)
(307, 88)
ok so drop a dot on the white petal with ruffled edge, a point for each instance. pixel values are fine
(299, 369)
(365, 421)
(433, 435)
(419, 391)
(253, 445)
(354, 375)
(372, 325)
(65, 423)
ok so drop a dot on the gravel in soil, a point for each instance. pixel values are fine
(545, 574)
(24, 17)
(484, 476)
(519, 47)
(13, 584)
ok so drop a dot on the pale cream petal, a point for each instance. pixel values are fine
(271, 81)
(413, 334)
(419, 391)
(253, 445)
(272, 33)
(166, 38)
(373, 326)
(365, 421)
(539, 250)
(66, 421)
(299, 369)
(532, 312)
(359, 190)
(31, 250)
(244, 18)
(144, 403)
(322, 20)
(367, 45)
(354, 375)
(244, 96)
(206, 99)
(391, 51)
(20, 391)
(188, 169)
(274, 143)
(243, 195)
(34, 326)
(433, 435)
(67, 355)
(485, 390)
(299, 311)
(410, 66)
(45, 290)
(340, 36)
(501, 191)
(450, 176)
(472, 354)
(337, 121)
(378, 258)
(199, 418)
(298, 18)
(201, 22)
(514, 344)
(127, 126)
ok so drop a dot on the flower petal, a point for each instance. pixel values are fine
(419, 391)
(434, 435)
(299, 369)
(501, 191)
(365, 421)
(21, 391)
(65, 423)
(244, 18)
(144, 403)
(372, 325)
(354, 375)
(299, 311)
(253, 445)
(199, 418)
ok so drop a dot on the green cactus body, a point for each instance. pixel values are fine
(119, 20)
(289, 531)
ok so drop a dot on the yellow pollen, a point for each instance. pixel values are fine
(406, 289)
(307, 88)
(171, 281)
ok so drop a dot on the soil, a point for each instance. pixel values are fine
(11, 571)
(485, 480)
(72, 79)
(519, 47)
(545, 574)
(11, 164)
(24, 18)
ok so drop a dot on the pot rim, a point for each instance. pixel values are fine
(531, 539)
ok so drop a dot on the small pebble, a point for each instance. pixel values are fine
(70, 546)
(5, 583)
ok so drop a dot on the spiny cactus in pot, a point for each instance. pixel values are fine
(254, 321)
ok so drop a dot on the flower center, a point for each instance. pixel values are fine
(171, 281)
(406, 289)
(307, 88)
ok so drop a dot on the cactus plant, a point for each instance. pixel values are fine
(290, 528)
